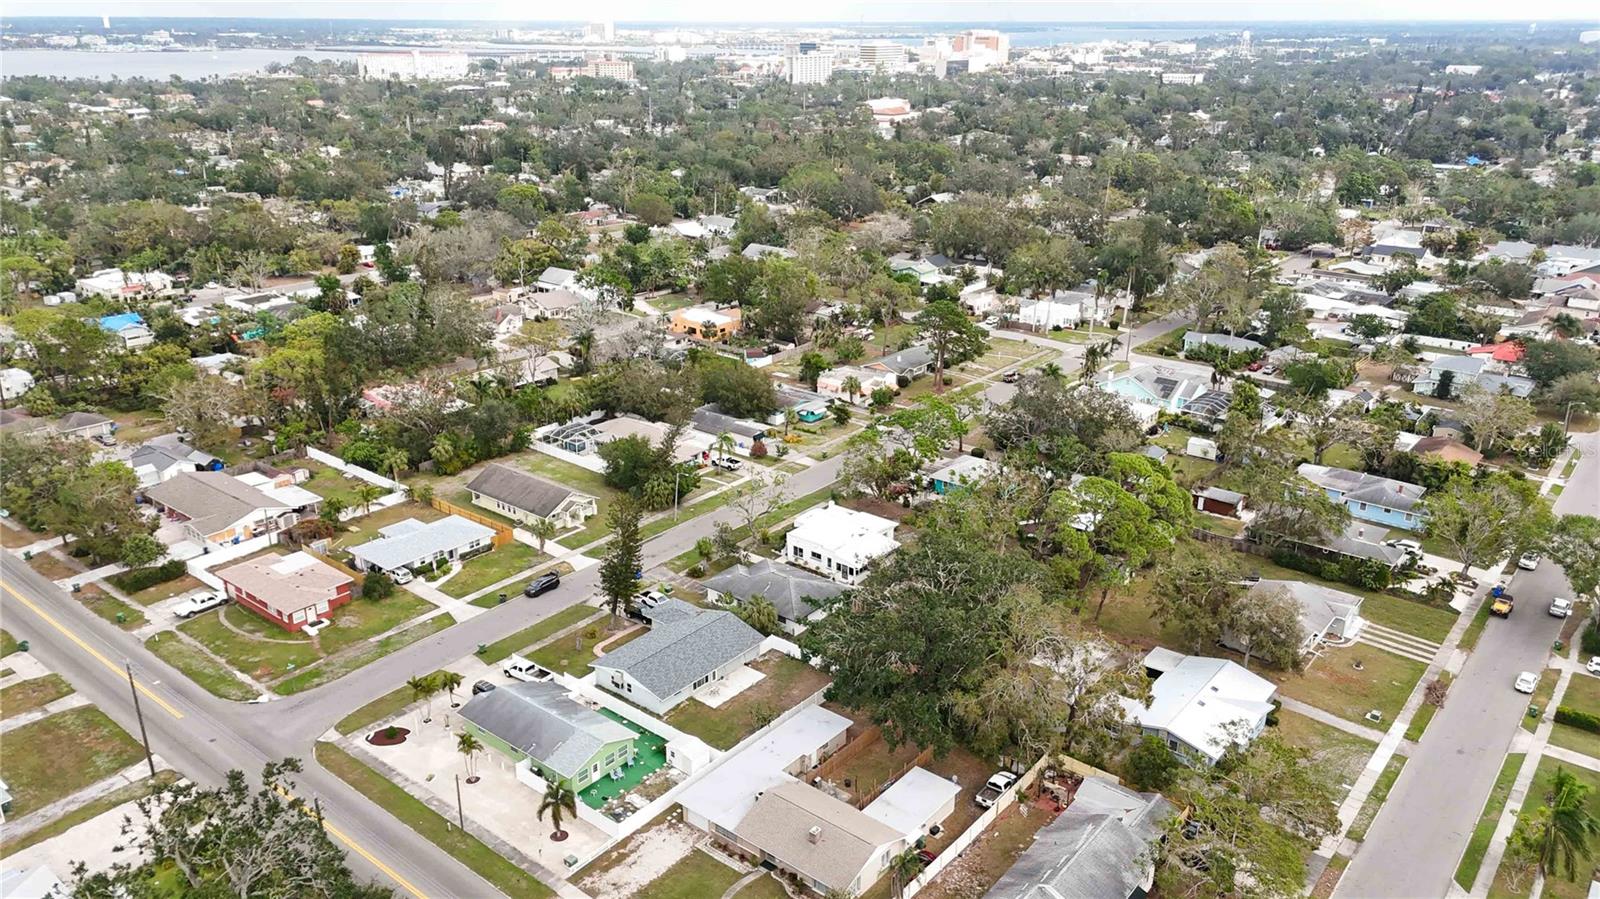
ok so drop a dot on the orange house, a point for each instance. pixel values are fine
(706, 322)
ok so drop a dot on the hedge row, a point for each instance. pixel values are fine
(137, 579)
(1366, 574)
(1575, 718)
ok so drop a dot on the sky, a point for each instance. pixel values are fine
(866, 11)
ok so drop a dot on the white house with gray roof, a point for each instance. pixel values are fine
(687, 648)
(410, 543)
(527, 498)
(559, 738)
(1465, 370)
(1099, 848)
(1200, 706)
(794, 592)
(1326, 615)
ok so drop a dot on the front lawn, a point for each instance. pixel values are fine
(261, 659)
(1376, 798)
(573, 653)
(1556, 885)
(337, 666)
(359, 619)
(1583, 695)
(582, 480)
(1341, 756)
(1415, 618)
(540, 630)
(24, 696)
(175, 587)
(199, 667)
(491, 568)
(1333, 683)
(698, 876)
(1472, 859)
(110, 608)
(787, 682)
(55, 757)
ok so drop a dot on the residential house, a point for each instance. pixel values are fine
(808, 406)
(950, 475)
(761, 251)
(290, 591)
(86, 425)
(686, 648)
(794, 592)
(1166, 389)
(832, 383)
(213, 507)
(129, 329)
(839, 542)
(1465, 370)
(556, 278)
(1226, 342)
(706, 322)
(1099, 848)
(410, 543)
(554, 303)
(758, 800)
(1388, 250)
(926, 272)
(718, 225)
(688, 230)
(17, 422)
(910, 363)
(14, 382)
(560, 739)
(1326, 615)
(506, 319)
(1063, 309)
(117, 283)
(1369, 497)
(1446, 449)
(527, 498)
(1218, 501)
(713, 424)
(164, 458)
(1199, 706)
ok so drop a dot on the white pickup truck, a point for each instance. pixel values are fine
(519, 668)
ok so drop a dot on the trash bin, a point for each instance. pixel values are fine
(1533, 710)
(502, 599)
(22, 646)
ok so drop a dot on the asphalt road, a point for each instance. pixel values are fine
(1414, 846)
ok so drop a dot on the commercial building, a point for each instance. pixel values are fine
(415, 65)
(884, 56)
(808, 62)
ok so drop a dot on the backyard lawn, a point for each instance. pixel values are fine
(787, 682)
(328, 483)
(696, 877)
(54, 757)
(1333, 683)
(491, 568)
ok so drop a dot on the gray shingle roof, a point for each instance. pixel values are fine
(210, 499)
(908, 359)
(680, 651)
(711, 421)
(1356, 486)
(542, 721)
(520, 489)
(74, 421)
(791, 590)
(1096, 849)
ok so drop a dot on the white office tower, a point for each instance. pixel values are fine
(808, 62)
(600, 31)
(412, 66)
(884, 56)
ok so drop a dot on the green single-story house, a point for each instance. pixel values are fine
(563, 740)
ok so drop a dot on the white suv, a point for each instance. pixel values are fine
(1560, 607)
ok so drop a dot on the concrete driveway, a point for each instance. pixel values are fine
(1414, 846)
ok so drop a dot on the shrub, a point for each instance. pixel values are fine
(1591, 639)
(1152, 766)
(979, 452)
(1579, 719)
(758, 450)
(378, 585)
(137, 579)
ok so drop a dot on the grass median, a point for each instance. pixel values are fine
(465, 848)
(1472, 859)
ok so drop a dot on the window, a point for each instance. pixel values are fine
(1363, 507)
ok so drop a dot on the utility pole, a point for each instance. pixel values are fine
(138, 712)
(461, 814)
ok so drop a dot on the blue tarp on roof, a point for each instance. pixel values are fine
(115, 323)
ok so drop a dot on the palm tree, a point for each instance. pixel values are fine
(851, 387)
(1051, 370)
(790, 417)
(902, 869)
(395, 460)
(1095, 356)
(469, 745)
(450, 681)
(422, 689)
(1566, 325)
(331, 509)
(761, 614)
(557, 799)
(543, 529)
(366, 495)
(1565, 832)
(421, 493)
(724, 444)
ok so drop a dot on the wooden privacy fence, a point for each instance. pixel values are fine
(502, 533)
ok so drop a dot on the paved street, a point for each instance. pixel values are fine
(1414, 846)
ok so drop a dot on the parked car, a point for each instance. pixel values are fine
(1560, 607)
(995, 788)
(200, 602)
(1594, 665)
(1411, 547)
(105, 439)
(482, 686)
(544, 583)
(402, 576)
(727, 463)
(1529, 561)
(649, 599)
(1527, 682)
(519, 668)
(991, 322)
(1256, 365)
(1011, 377)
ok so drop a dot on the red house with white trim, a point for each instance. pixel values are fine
(290, 591)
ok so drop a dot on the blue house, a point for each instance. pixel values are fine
(1161, 387)
(951, 475)
(1371, 498)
